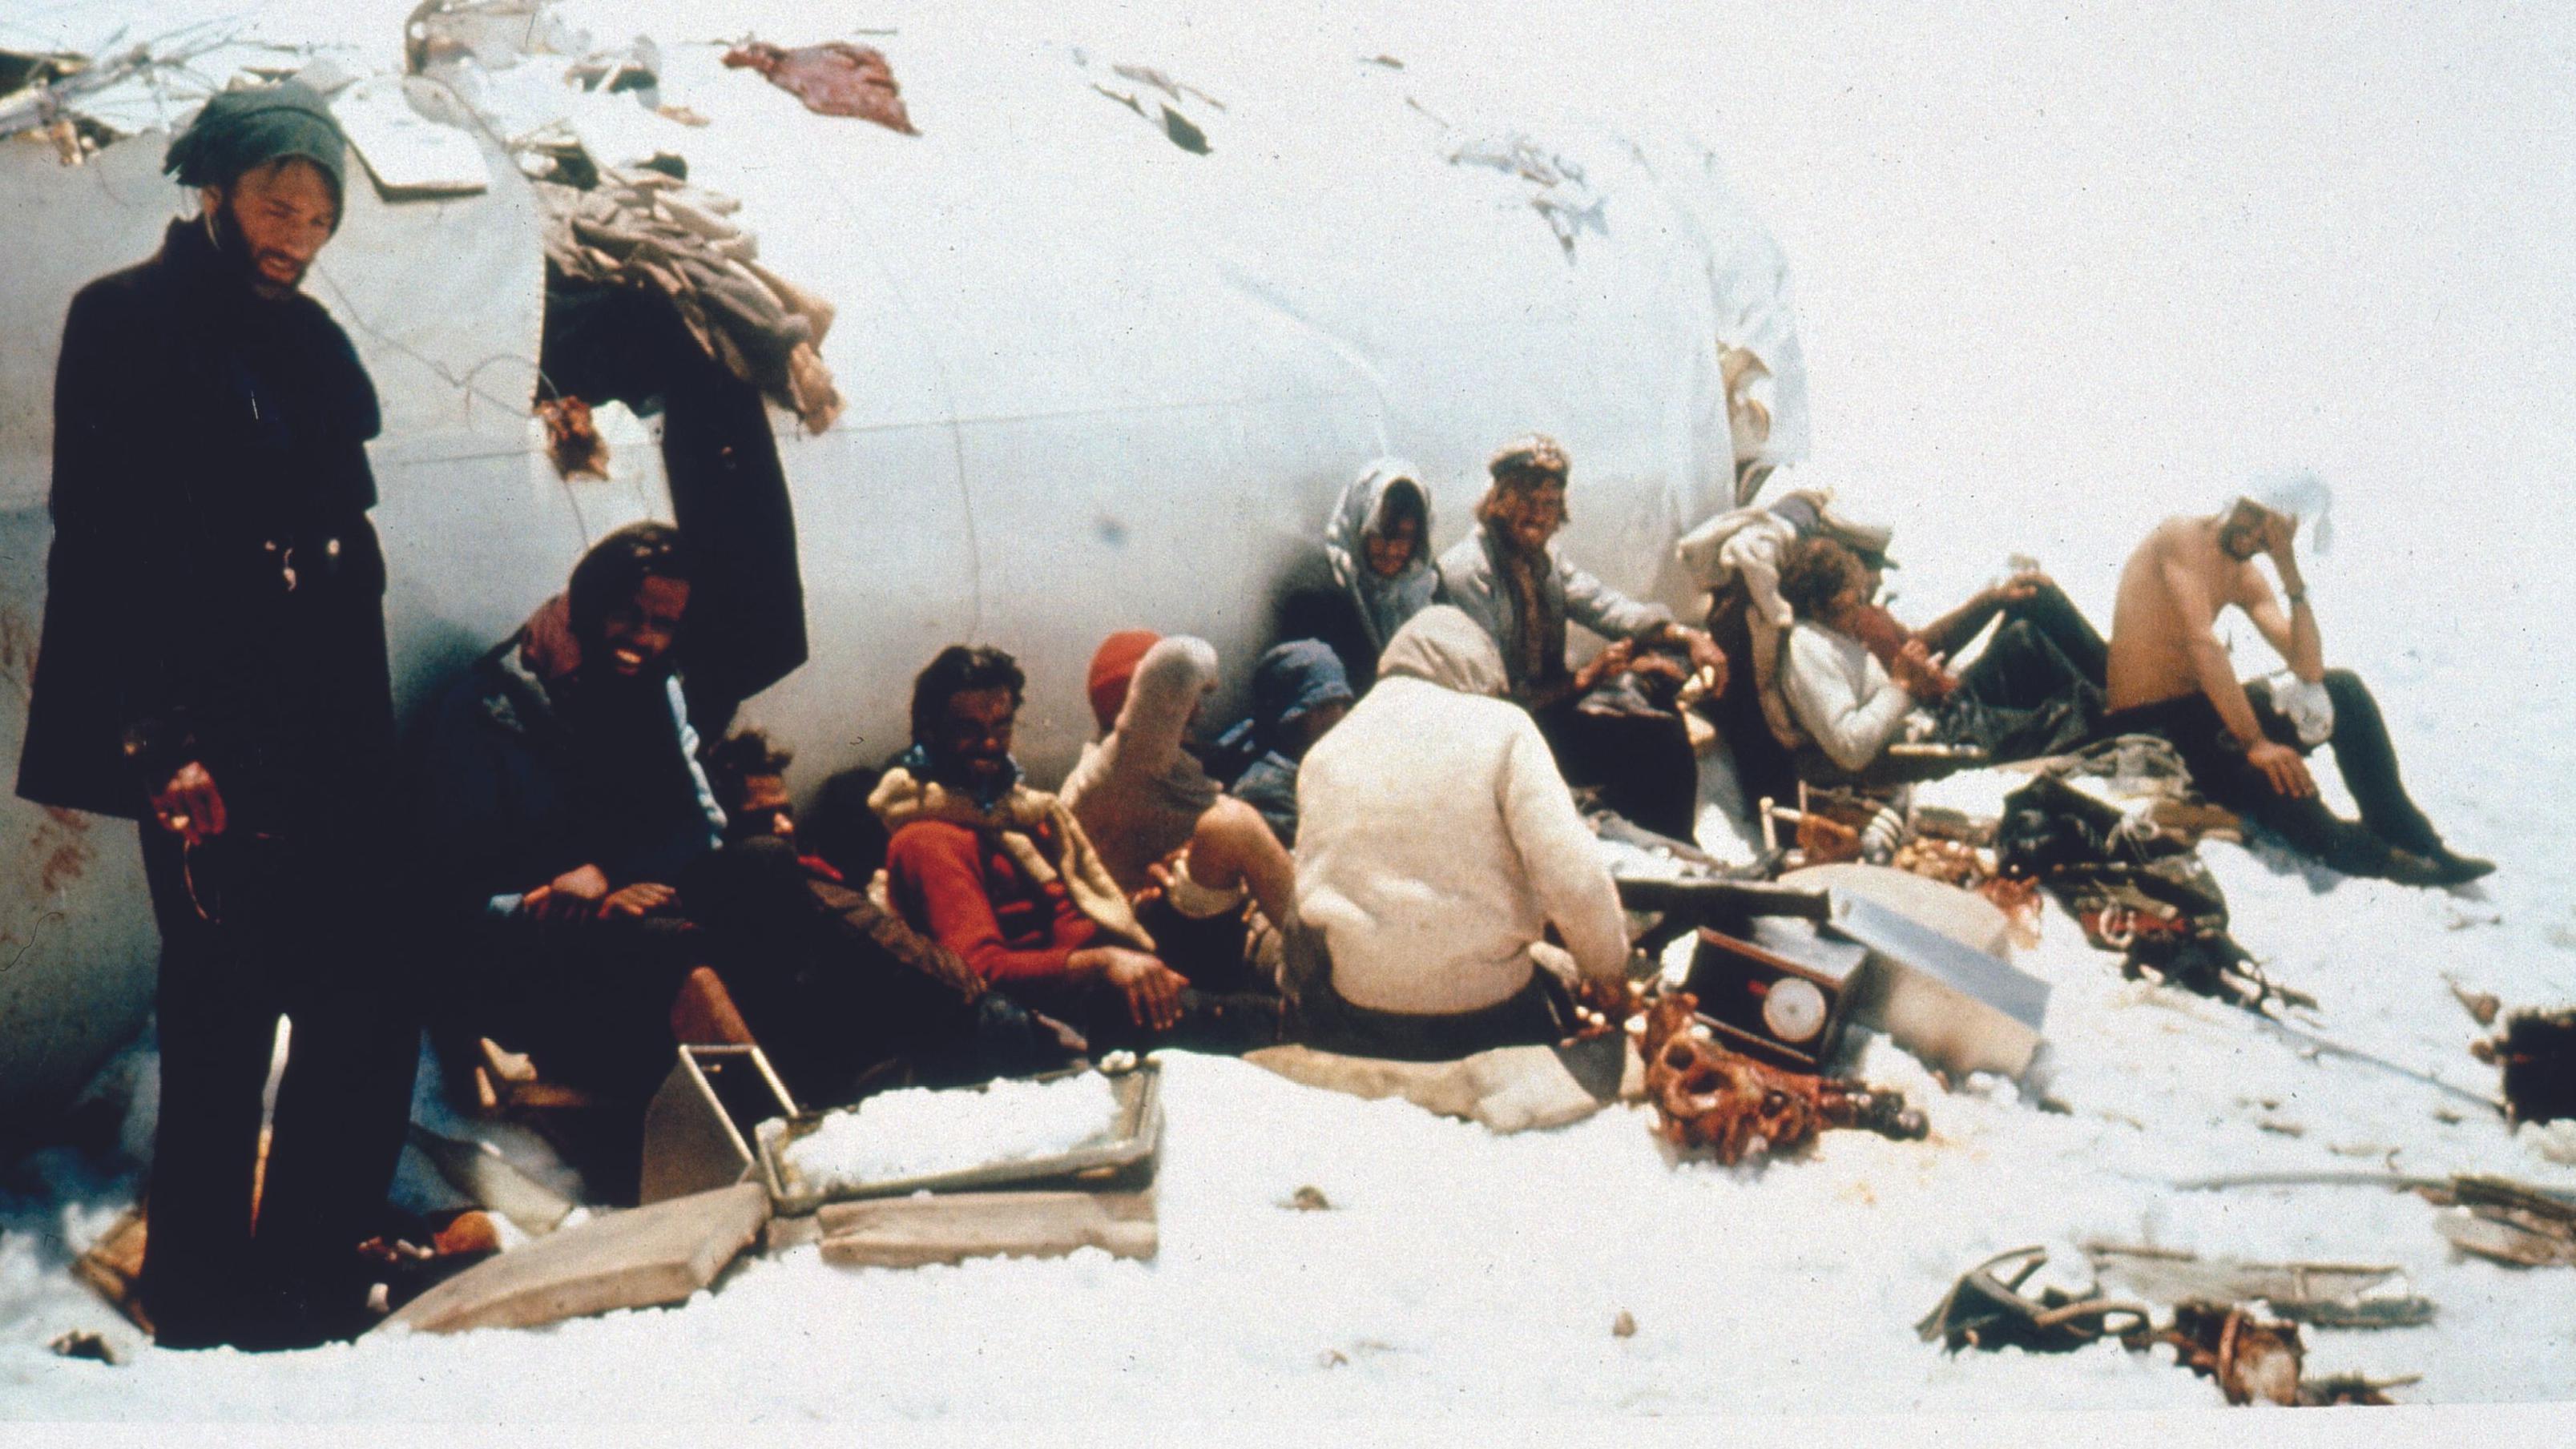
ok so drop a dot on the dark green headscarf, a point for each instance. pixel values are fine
(238, 130)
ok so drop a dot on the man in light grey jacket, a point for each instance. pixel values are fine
(1609, 723)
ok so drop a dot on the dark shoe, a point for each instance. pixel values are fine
(2407, 868)
(2462, 869)
(190, 1334)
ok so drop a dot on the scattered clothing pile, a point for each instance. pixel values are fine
(2135, 887)
(647, 229)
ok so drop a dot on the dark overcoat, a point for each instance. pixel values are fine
(215, 590)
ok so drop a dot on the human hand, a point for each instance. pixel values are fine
(1716, 674)
(1160, 877)
(189, 806)
(2021, 588)
(1152, 989)
(1611, 996)
(2276, 535)
(1611, 661)
(1663, 665)
(2282, 766)
(575, 893)
(1917, 671)
(644, 898)
(1704, 653)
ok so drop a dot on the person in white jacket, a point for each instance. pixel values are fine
(1436, 845)
(2022, 698)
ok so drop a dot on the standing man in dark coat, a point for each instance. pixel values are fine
(213, 665)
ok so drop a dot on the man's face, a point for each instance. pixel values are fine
(975, 735)
(281, 214)
(1850, 600)
(1531, 509)
(2242, 534)
(1390, 551)
(764, 809)
(635, 637)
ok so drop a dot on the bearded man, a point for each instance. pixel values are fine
(1611, 722)
(213, 666)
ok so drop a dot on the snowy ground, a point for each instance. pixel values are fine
(2060, 275)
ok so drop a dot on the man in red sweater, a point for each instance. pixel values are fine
(1001, 873)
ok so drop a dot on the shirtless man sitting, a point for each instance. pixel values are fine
(2169, 676)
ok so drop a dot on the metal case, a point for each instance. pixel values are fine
(1744, 985)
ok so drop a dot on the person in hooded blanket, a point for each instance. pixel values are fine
(1379, 547)
(213, 666)
(1373, 572)
(1438, 845)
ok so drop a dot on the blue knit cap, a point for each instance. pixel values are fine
(238, 130)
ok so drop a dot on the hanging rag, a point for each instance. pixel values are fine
(648, 230)
(835, 78)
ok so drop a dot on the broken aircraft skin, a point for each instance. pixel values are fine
(1094, 381)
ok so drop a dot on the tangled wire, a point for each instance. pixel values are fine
(1709, 1099)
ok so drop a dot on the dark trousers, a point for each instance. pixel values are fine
(2024, 697)
(1536, 1015)
(1642, 763)
(2363, 754)
(832, 986)
(588, 999)
(299, 936)
(1763, 766)
(2055, 618)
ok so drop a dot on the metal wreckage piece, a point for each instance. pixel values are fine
(1709, 1099)
(2251, 1358)
(2325, 1295)
(2508, 1222)
(1986, 1308)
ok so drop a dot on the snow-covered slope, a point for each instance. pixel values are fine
(2061, 274)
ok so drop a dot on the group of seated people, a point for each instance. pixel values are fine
(1386, 858)
(1837, 680)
